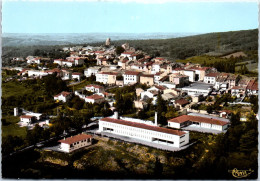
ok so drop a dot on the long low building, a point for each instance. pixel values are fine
(198, 121)
(75, 142)
(141, 131)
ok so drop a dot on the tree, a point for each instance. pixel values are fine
(209, 109)
(119, 50)
(235, 119)
(161, 109)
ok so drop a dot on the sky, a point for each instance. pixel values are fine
(127, 17)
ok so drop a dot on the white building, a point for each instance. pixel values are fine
(95, 99)
(198, 88)
(36, 73)
(131, 77)
(127, 54)
(63, 96)
(31, 60)
(91, 71)
(95, 88)
(67, 63)
(191, 74)
(199, 122)
(77, 75)
(75, 142)
(211, 78)
(26, 119)
(142, 131)
(156, 68)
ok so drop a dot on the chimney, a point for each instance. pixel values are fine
(116, 115)
(155, 119)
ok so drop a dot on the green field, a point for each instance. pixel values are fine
(15, 88)
(11, 128)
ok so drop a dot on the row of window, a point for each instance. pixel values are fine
(133, 129)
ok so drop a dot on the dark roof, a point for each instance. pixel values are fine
(182, 101)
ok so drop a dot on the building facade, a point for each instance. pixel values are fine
(75, 142)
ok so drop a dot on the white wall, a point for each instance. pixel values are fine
(174, 125)
(142, 134)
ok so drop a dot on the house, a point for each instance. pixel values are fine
(238, 91)
(232, 80)
(107, 77)
(157, 77)
(75, 142)
(95, 99)
(200, 72)
(179, 80)
(27, 119)
(138, 91)
(63, 96)
(127, 54)
(31, 60)
(95, 88)
(131, 77)
(77, 75)
(23, 72)
(221, 82)
(168, 96)
(199, 121)
(139, 104)
(91, 71)
(211, 78)
(139, 130)
(36, 73)
(181, 103)
(225, 114)
(252, 88)
(147, 79)
(156, 67)
(173, 91)
(188, 72)
(66, 74)
(66, 63)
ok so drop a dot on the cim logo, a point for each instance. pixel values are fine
(240, 173)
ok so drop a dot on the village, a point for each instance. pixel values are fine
(190, 90)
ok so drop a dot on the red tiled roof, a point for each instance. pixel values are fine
(76, 73)
(128, 53)
(252, 85)
(227, 111)
(63, 93)
(184, 118)
(143, 126)
(147, 75)
(182, 101)
(95, 97)
(26, 116)
(132, 73)
(237, 87)
(109, 73)
(212, 74)
(159, 58)
(176, 69)
(75, 139)
(95, 86)
(160, 87)
(99, 52)
(158, 73)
